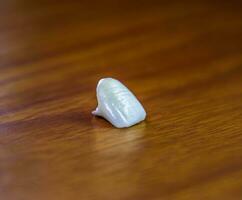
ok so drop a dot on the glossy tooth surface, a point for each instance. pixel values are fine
(117, 104)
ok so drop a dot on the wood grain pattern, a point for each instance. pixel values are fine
(182, 59)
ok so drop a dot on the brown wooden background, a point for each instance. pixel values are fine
(182, 59)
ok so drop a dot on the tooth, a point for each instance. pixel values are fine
(117, 104)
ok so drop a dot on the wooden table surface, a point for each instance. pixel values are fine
(182, 59)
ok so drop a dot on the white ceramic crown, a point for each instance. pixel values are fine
(117, 104)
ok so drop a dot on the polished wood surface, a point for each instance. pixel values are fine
(182, 59)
